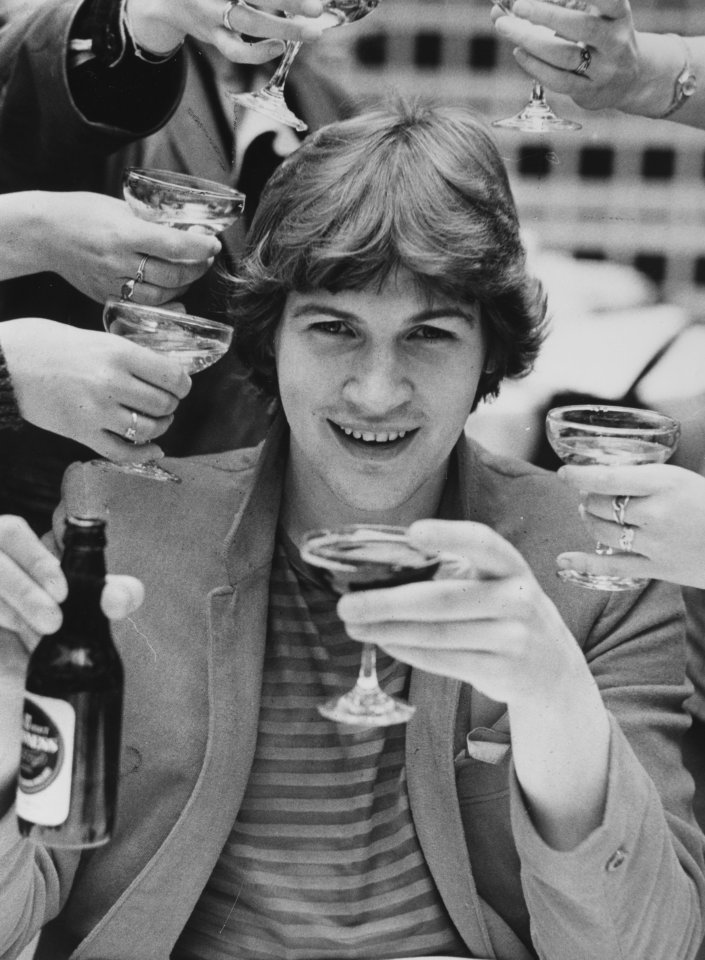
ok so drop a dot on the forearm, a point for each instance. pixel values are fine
(560, 747)
(633, 888)
(661, 60)
(25, 217)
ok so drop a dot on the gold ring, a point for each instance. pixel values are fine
(139, 276)
(131, 432)
(127, 291)
(626, 539)
(619, 507)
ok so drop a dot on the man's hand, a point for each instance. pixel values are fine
(32, 585)
(496, 629)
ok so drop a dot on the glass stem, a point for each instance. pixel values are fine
(367, 678)
(537, 94)
(277, 81)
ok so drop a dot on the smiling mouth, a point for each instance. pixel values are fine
(373, 439)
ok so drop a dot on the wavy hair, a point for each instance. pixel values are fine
(410, 187)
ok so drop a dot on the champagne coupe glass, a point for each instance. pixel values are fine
(270, 99)
(180, 200)
(537, 116)
(609, 436)
(195, 342)
(369, 556)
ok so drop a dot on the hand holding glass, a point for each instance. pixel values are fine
(585, 434)
(195, 342)
(270, 99)
(537, 116)
(181, 201)
(368, 556)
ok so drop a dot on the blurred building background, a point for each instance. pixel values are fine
(615, 211)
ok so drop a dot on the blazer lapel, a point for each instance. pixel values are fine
(434, 805)
(236, 625)
(441, 704)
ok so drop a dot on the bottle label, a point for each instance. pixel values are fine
(44, 783)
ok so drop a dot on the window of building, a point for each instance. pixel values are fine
(428, 48)
(534, 160)
(596, 163)
(658, 163)
(371, 50)
(589, 253)
(652, 264)
(699, 271)
(482, 52)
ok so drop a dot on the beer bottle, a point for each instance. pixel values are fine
(67, 786)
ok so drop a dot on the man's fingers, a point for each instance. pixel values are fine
(435, 601)
(122, 595)
(31, 602)
(488, 554)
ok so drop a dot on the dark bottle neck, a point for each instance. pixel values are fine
(83, 564)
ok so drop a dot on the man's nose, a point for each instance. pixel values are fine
(378, 383)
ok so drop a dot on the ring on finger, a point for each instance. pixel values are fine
(131, 432)
(626, 539)
(585, 60)
(139, 276)
(619, 508)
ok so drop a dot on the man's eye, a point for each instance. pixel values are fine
(330, 326)
(432, 333)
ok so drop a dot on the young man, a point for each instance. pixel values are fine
(535, 805)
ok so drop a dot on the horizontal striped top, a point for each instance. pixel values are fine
(323, 862)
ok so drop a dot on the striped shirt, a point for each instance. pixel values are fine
(323, 862)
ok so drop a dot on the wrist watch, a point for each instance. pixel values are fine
(686, 81)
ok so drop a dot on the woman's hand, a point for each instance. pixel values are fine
(96, 243)
(32, 585)
(85, 385)
(666, 510)
(160, 25)
(547, 38)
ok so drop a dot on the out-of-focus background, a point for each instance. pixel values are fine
(614, 214)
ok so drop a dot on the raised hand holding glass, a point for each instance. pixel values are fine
(368, 556)
(584, 434)
(270, 99)
(195, 342)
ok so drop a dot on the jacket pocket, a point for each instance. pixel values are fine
(482, 769)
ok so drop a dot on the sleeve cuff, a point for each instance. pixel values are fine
(630, 793)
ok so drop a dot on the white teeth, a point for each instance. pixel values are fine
(369, 437)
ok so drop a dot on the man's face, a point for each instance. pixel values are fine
(376, 386)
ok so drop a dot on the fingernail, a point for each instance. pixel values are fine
(276, 48)
(48, 618)
(562, 562)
